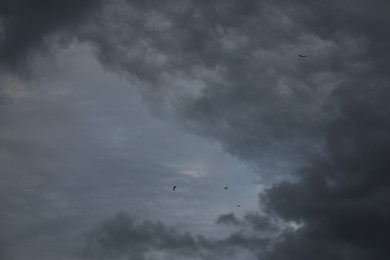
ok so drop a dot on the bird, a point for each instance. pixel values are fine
(302, 56)
(226, 187)
(238, 206)
(174, 187)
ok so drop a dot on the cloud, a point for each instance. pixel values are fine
(340, 196)
(25, 26)
(230, 72)
(340, 199)
(228, 219)
(258, 99)
(252, 221)
(122, 237)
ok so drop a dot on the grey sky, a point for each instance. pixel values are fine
(105, 105)
(81, 146)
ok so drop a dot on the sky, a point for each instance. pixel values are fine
(105, 105)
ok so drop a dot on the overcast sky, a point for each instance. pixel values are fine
(106, 105)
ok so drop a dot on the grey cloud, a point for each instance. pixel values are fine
(25, 24)
(340, 196)
(341, 199)
(83, 146)
(252, 220)
(123, 237)
(228, 219)
(258, 99)
(231, 72)
(261, 223)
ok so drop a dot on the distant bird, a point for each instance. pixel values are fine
(226, 187)
(238, 206)
(302, 56)
(174, 187)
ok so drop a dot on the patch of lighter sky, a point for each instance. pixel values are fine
(110, 155)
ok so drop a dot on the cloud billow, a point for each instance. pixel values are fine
(341, 199)
(125, 238)
(25, 26)
(257, 96)
(230, 71)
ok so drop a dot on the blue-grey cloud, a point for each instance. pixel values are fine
(230, 72)
(25, 26)
(258, 98)
(123, 237)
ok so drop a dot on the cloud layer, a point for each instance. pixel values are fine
(25, 26)
(258, 98)
(230, 72)
(123, 237)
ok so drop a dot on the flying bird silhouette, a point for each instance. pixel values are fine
(302, 56)
(226, 187)
(238, 206)
(174, 187)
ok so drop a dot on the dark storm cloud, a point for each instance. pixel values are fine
(258, 99)
(256, 94)
(261, 223)
(341, 199)
(124, 237)
(25, 24)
